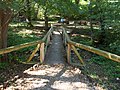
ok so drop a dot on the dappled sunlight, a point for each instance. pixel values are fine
(71, 73)
(60, 77)
(45, 70)
(22, 83)
(61, 85)
(56, 32)
(83, 36)
(29, 32)
(25, 31)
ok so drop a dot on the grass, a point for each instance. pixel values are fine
(20, 35)
(106, 71)
(3, 65)
(101, 70)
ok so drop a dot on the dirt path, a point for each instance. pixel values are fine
(53, 77)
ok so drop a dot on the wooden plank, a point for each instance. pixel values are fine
(33, 53)
(78, 55)
(68, 53)
(97, 51)
(42, 54)
(47, 43)
(45, 37)
(17, 47)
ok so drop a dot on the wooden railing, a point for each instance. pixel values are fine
(41, 44)
(71, 45)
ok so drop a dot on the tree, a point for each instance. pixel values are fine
(5, 16)
(28, 11)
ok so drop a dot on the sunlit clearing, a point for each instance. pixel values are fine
(85, 36)
(56, 32)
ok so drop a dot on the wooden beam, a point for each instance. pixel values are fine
(17, 47)
(42, 53)
(47, 43)
(68, 53)
(97, 51)
(33, 53)
(76, 52)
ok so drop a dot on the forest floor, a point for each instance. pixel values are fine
(99, 73)
(99, 69)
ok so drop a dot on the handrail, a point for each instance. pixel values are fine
(40, 44)
(92, 49)
(24, 45)
(17, 47)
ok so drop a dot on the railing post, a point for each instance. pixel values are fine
(33, 53)
(76, 52)
(68, 53)
(42, 53)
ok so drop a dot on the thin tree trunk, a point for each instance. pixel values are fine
(91, 30)
(91, 25)
(77, 1)
(28, 13)
(46, 20)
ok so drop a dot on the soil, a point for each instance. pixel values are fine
(52, 77)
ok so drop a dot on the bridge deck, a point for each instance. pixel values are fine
(55, 53)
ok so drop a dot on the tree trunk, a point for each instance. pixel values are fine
(91, 24)
(91, 30)
(5, 16)
(46, 23)
(28, 13)
(77, 1)
(46, 20)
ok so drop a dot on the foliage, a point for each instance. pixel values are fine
(110, 71)
(3, 65)
(20, 35)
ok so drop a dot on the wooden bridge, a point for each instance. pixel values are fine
(56, 47)
(53, 73)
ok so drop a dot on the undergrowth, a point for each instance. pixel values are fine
(100, 69)
(106, 71)
(17, 36)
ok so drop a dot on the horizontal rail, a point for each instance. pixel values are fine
(17, 47)
(92, 49)
(97, 51)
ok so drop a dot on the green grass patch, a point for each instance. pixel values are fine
(106, 70)
(17, 36)
(78, 39)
